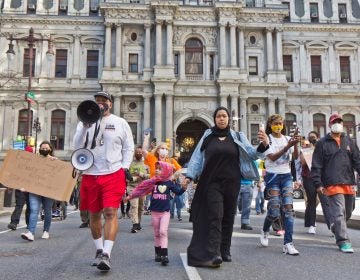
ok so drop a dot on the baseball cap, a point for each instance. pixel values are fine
(334, 117)
(104, 94)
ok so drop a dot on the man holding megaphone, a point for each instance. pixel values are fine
(105, 148)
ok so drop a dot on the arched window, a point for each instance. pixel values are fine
(23, 122)
(290, 123)
(349, 125)
(193, 57)
(319, 124)
(58, 129)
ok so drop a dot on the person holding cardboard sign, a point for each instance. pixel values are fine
(45, 150)
(103, 184)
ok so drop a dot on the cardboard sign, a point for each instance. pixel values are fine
(38, 175)
(308, 154)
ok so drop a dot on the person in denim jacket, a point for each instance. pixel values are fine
(219, 160)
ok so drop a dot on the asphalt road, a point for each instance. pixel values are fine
(69, 251)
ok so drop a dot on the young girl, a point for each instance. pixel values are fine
(278, 181)
(160, 186)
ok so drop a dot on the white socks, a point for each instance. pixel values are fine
(99, 243)
(108, 244)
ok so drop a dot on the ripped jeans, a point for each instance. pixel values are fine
(279, 191)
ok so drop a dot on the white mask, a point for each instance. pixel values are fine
(337, 128)
(163, 152)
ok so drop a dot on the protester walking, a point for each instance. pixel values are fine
(279, 182)
(336, 157)
(219, 160)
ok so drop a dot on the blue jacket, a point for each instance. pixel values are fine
(247, 155)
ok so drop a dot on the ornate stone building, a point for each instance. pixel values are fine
(169, 64)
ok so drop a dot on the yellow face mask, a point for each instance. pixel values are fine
(277, 128)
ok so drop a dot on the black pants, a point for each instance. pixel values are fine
(123, 207)
(311, 194)
(21, 198)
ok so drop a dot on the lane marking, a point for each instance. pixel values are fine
(191, 272)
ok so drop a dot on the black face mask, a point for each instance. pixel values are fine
(44, 152)
(312, 141)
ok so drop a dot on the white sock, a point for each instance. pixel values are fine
(99, 243)
(108, 244)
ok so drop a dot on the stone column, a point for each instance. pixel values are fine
(146, 113)
(234, 108)
(269, 49)
(241, 49)
(76, 55)
(358, 57)
(282, 109)
(169, 115)
(147, 45)
(233, 45)
(303, 59)
(73, 119)
(279, 53)
(222, 46)
(107, 45)
(158, 116)
(118, 45)
(44, 61)
(2, 123)
(158, 42)
(117, 104)
(207, 66)
(169, 43)
(223, 100)
(243, 114)
(182, 64)
(332, 70)
(271, 106)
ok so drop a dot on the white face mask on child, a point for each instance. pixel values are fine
(163, 152)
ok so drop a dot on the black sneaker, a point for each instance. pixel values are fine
(179, 219)
(104, 264)
(134, 230)
(97, 257)
(84, 225)
(12, 226)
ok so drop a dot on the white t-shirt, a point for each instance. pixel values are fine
(114, 145)
(282, 164)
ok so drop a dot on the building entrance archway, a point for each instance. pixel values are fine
(188, 135)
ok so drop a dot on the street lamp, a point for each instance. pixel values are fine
(37, 128)
(31, 40)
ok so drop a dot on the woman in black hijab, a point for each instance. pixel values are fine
(220, 159)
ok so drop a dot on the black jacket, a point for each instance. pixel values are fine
(334, 165)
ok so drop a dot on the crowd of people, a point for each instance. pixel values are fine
(225, 172)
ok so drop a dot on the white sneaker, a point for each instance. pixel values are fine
(45, 235)
(290, 249)
(27, 236)
(264, 238)
(312, 230)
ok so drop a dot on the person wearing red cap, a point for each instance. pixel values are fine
(335, 158)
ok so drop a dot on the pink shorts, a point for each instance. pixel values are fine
(102, 191)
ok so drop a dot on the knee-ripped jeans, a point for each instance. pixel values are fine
(279, 192)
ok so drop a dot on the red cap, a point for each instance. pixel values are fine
(334, 117)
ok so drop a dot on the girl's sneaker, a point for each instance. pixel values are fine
(290, 249)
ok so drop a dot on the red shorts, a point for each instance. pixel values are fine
(102, 191)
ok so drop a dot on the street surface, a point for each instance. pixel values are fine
(69, 251)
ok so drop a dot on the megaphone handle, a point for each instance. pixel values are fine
(74, 173)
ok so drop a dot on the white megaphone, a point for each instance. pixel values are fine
(82, 159)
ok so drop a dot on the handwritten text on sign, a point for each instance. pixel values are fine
(36, 174)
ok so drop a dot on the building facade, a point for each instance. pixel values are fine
(169, 64)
